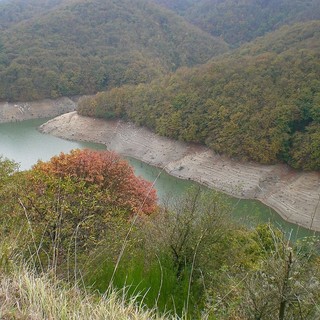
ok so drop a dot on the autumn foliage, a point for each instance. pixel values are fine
(76, 201)
(109, 173)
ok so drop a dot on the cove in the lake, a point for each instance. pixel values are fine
(22, 142)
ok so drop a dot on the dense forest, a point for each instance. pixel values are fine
(241, 21)
(53, 48)
(16, 11)
(81, 237)
(81, 47)
(84, 219)
(259, 103)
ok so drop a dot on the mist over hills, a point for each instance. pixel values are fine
(241, 21)
(16, 11)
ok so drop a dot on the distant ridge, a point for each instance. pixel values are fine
(81, 47)
(13, 12)
(239, 21)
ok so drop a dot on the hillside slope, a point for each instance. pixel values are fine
(15, 11)
(242, 21)
(82, 47)
(260, 103)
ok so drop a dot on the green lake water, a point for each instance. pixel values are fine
(21, 142)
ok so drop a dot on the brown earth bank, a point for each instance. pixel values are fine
(19, 111)
(294, 195)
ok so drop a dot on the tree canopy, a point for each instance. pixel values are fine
(81, 47)
(241, 21)
(107, 172)
(259, 103)
(81, 197)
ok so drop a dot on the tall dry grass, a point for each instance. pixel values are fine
(26, 295)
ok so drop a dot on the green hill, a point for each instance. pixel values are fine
(179, 6)
(15, 11)
(260, 103)
(81, 47)
(242, 21)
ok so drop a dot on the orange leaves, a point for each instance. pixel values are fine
(109, 172)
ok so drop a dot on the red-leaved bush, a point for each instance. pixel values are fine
(109, 172)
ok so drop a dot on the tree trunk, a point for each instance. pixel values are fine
(283, 303)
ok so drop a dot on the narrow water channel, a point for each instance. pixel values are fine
(248, 212)
(21, 142)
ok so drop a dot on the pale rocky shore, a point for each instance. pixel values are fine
(294, 195)
(18, 111)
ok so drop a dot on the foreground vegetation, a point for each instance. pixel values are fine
(259, 103)
(24, 294)
(90, 239)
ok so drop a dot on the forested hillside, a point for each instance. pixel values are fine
(179, 6)
(240, 21)
(82, 47)
(260, 103)
(81, 237)
(16, 11)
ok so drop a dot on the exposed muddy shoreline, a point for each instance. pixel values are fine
(293, 194)
(19, 111)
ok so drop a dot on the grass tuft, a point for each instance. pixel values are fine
(26, 295)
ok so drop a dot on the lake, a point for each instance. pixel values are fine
(21, 142)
